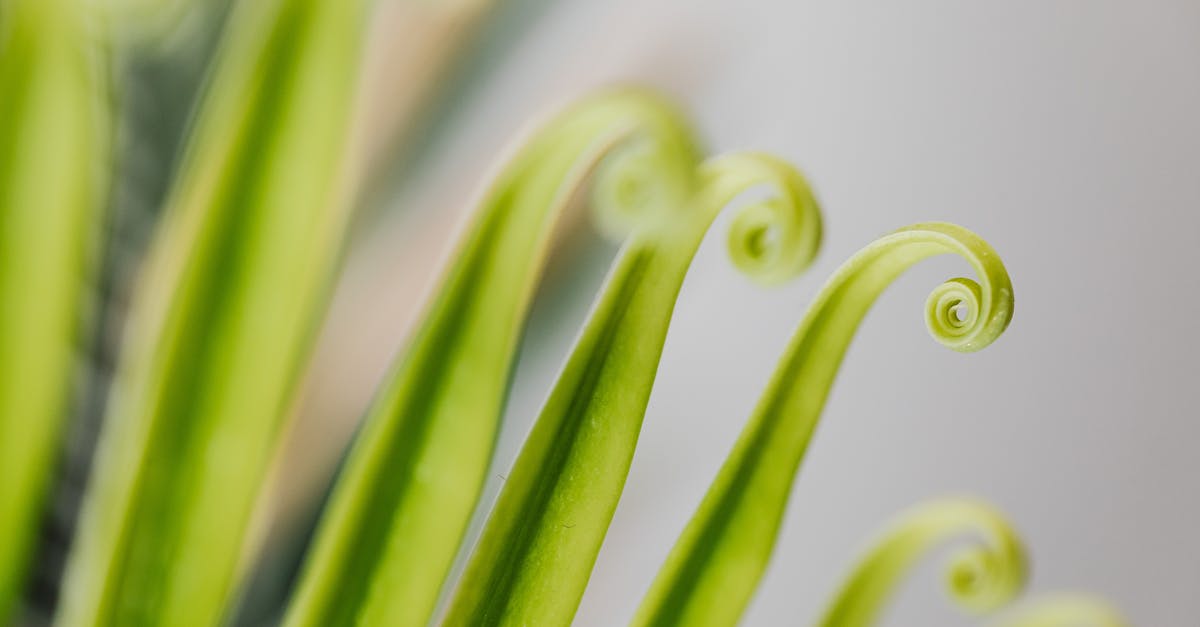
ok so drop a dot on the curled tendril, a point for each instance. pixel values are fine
(981, 577)
(715, 566)
(634, 146)
(961, 313)
(642, 181)
(527, 569)
(773, 239)
(1065, 610)
(770, 240)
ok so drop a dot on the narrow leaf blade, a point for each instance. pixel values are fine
(223, 321)
(53, 151)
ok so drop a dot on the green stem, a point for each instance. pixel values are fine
(716, 564)
(981, 577)
(538, 548)
(403, 500)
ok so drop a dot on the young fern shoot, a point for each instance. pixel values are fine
(539, 545)
(716, 564)
(981, 577)
(402, 503)
(53, 148)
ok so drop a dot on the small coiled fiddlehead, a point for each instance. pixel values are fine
(1064, 610)
(774, 239)
(980, 577)
(717, 562)
(404, 498)
(540, 543)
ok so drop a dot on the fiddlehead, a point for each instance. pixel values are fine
(773, 239)
(537, 550)
(402, 503)
(717, 562)
(980, 577)
(1065, 610)
(639, 183)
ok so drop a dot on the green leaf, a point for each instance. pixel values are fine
(53, 146)
(716, 564)
(537, 551)
(223, 321)
(403, 500)
(981, 577)
(1064, 610)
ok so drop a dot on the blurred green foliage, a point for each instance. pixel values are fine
(53, 153)
(222, 322)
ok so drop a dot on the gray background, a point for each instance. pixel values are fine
(1067, 133)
